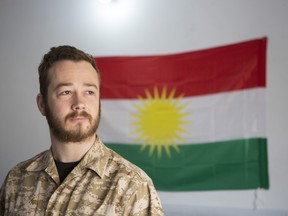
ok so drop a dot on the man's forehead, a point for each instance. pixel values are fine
(67, 72)
(70, 64)
(67, 68)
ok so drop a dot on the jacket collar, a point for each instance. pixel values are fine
(95, 159)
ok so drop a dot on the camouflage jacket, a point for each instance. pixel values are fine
(103, 183)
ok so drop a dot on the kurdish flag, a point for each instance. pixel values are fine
(192, 121)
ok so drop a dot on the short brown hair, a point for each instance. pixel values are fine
(57, 54)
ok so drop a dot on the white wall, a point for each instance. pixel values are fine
(140, 27)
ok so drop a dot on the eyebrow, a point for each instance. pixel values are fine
(71, 84)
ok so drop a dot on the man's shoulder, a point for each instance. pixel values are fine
(126, 168)
(24, 165)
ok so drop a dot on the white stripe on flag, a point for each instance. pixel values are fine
(212, 118)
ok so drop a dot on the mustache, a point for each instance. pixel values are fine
(78, 114)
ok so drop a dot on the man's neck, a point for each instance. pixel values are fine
(70, 151)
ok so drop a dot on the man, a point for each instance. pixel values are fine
(78, 175)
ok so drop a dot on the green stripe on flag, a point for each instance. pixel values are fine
(234, 164)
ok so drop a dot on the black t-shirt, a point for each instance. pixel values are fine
(65, 168)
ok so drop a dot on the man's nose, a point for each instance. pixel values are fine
(78, 103)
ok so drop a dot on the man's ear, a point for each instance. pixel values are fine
(41, 104)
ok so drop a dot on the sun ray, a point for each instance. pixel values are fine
(184, 122)
(178, 137)
(163, 94)
(182, 106)
(139, 108)
(159, 150)
(151, 150)
(156, 93)
(167, 149)
(148, 95)
(171, 95)
(176, 101)
(144, 145)
(173, 144)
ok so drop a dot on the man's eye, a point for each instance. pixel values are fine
(66, 93)
(90, 92)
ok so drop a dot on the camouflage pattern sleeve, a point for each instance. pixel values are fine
(143, 202)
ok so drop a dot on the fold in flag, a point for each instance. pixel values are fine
(192, 121)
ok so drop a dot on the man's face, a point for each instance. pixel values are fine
(73, 108)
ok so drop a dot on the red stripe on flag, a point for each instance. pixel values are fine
(226, 68)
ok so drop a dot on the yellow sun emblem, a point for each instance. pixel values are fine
(159, 121)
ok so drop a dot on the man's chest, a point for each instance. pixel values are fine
(77, 195)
